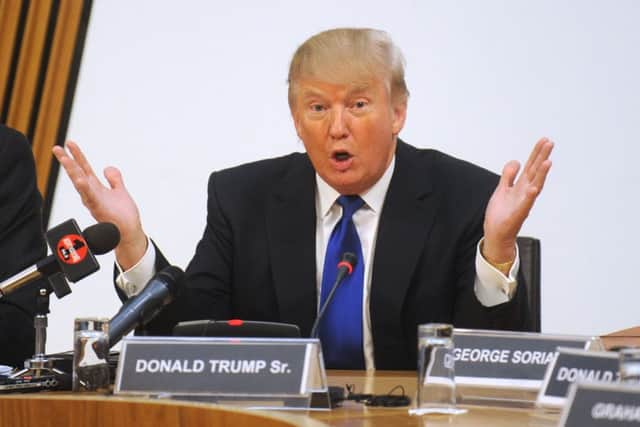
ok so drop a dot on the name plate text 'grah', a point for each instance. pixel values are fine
(509, 359)
(602, 405)
(222, 367)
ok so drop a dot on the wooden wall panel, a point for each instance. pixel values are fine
(55, 87)
(28, 71)
(41, 43)
(9, 20)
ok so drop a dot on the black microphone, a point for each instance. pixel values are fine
(141, 308)
(345, 267)
(72, 254)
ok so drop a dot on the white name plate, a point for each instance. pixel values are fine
(259, 372)
(602, 405)
(508, 359)
(573, 365)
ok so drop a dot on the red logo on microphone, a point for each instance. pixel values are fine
(72, 249)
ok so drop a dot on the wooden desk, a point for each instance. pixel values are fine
(381, 382)
(86, 410)
(624, 338)
(80, 410)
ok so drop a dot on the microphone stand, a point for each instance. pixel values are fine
(40, 370)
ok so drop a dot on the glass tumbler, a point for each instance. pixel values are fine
(90, 351)
(630, 365)
(436, 371)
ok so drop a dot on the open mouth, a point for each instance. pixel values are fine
(342, 160)
(341, 156)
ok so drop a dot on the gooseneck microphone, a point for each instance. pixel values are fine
(72, 254)
(345, 267)
(141, 308)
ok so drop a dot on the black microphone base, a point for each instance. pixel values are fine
(40, 373)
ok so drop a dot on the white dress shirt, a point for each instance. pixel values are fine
(491, 286)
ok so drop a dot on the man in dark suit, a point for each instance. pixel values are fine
(21, 244)
(420, 222)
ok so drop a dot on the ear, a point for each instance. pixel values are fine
(399, 115)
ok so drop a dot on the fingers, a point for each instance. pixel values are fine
(79, 171)
(76, 166)
(540, 153)
(509, 173)
(541, 166)
(534, 155)
(79, 157)
(114, 177)
(534, 188)
(71, 166)
(541, 175)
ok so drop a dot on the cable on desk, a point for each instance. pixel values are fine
(386, 400)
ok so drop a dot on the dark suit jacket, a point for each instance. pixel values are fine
(257, 261)
(21, 244)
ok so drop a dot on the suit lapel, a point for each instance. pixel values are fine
(407, 218)
(291, 228)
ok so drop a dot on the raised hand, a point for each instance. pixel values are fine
(512, 201)
(106, 204)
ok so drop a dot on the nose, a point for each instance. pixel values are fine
(338, 128)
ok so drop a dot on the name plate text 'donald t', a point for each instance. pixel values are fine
(573, 365)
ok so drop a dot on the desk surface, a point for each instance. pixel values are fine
(381, 382)
(75, 410)
(80, 410)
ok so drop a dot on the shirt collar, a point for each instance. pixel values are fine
(373, 197)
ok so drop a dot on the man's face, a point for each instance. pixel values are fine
(348, 131)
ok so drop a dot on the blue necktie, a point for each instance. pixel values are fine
(341, 327)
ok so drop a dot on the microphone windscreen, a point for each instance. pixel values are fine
(351, 258)
(173, 278)
(102, 237)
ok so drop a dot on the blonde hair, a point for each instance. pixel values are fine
(349, 55)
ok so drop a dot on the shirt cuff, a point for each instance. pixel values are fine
(491, 286)
(134, 279)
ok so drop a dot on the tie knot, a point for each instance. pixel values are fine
(350, 204)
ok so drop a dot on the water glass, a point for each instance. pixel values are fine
(436, 372)
(630, 365)
(90, 351)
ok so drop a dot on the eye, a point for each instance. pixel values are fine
(360, 105)
(316, 108)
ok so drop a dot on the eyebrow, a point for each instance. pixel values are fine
(353, 90)
(358, 88)
(310, 93)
